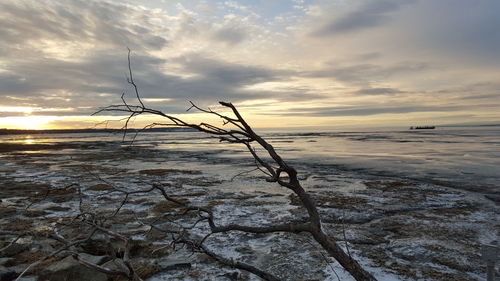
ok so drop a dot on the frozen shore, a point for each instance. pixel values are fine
(400, 228)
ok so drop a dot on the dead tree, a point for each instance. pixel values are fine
(236, 130)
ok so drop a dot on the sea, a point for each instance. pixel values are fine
(459, 157)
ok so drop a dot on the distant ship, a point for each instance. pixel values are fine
(422, 127)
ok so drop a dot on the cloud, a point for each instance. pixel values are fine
(368, 56)
(30, 23)
(366, 74)
(230, 35)
(467, 32)
(481, 97)
(368, 15)
(100, 79)
(75, 74)
(229, 73)
(379, 91)
(72, 54)
(474, 91)
(68, 54)
(369, 110)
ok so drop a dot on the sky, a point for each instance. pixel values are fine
(283, 63)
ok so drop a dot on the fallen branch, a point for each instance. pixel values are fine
(276, 168)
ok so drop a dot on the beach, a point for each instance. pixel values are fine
(409, 205)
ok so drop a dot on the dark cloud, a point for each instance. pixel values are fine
(365, 74)
(369, 14)
(480, 97)
(12, 114)
(378, 91)
(230, 73)
(100, 79)
(368, 56)
(369, 110)
(473, 90)
(230, 35)
(99, 72)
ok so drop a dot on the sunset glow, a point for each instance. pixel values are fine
(28, 122)
(22, 109)
(283, 63)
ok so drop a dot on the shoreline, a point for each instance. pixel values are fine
(385, 219)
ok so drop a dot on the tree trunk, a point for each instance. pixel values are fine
(348, 263)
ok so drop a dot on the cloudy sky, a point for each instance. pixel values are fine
(282, 62)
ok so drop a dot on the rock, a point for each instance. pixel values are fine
(45, 246)
(100, 187)
(163, 172)
(174, 263)
(412, 253)
(133, 228)
(57, 208)
(70, 269)
(6, 212)
(145, 268)
(146, 249)
(16, 268)
(6, 261)
(235, 275)
(93, 259)
(28, 257)
(165, 206)
(117, 264)
(361, 239)
(401, 208)
(28, 278)
(350, 217)
(96, 246)
(15, 249)
(7, 275)
(493, 197)
(34, 213)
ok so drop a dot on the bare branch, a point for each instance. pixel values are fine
(274, 168)
(131, 79)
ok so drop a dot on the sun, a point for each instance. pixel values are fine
(27, 122)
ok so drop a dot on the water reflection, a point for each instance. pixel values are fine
(29, 140)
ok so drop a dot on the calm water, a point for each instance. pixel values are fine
(455, 155)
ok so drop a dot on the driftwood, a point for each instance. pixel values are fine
(236, 130)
